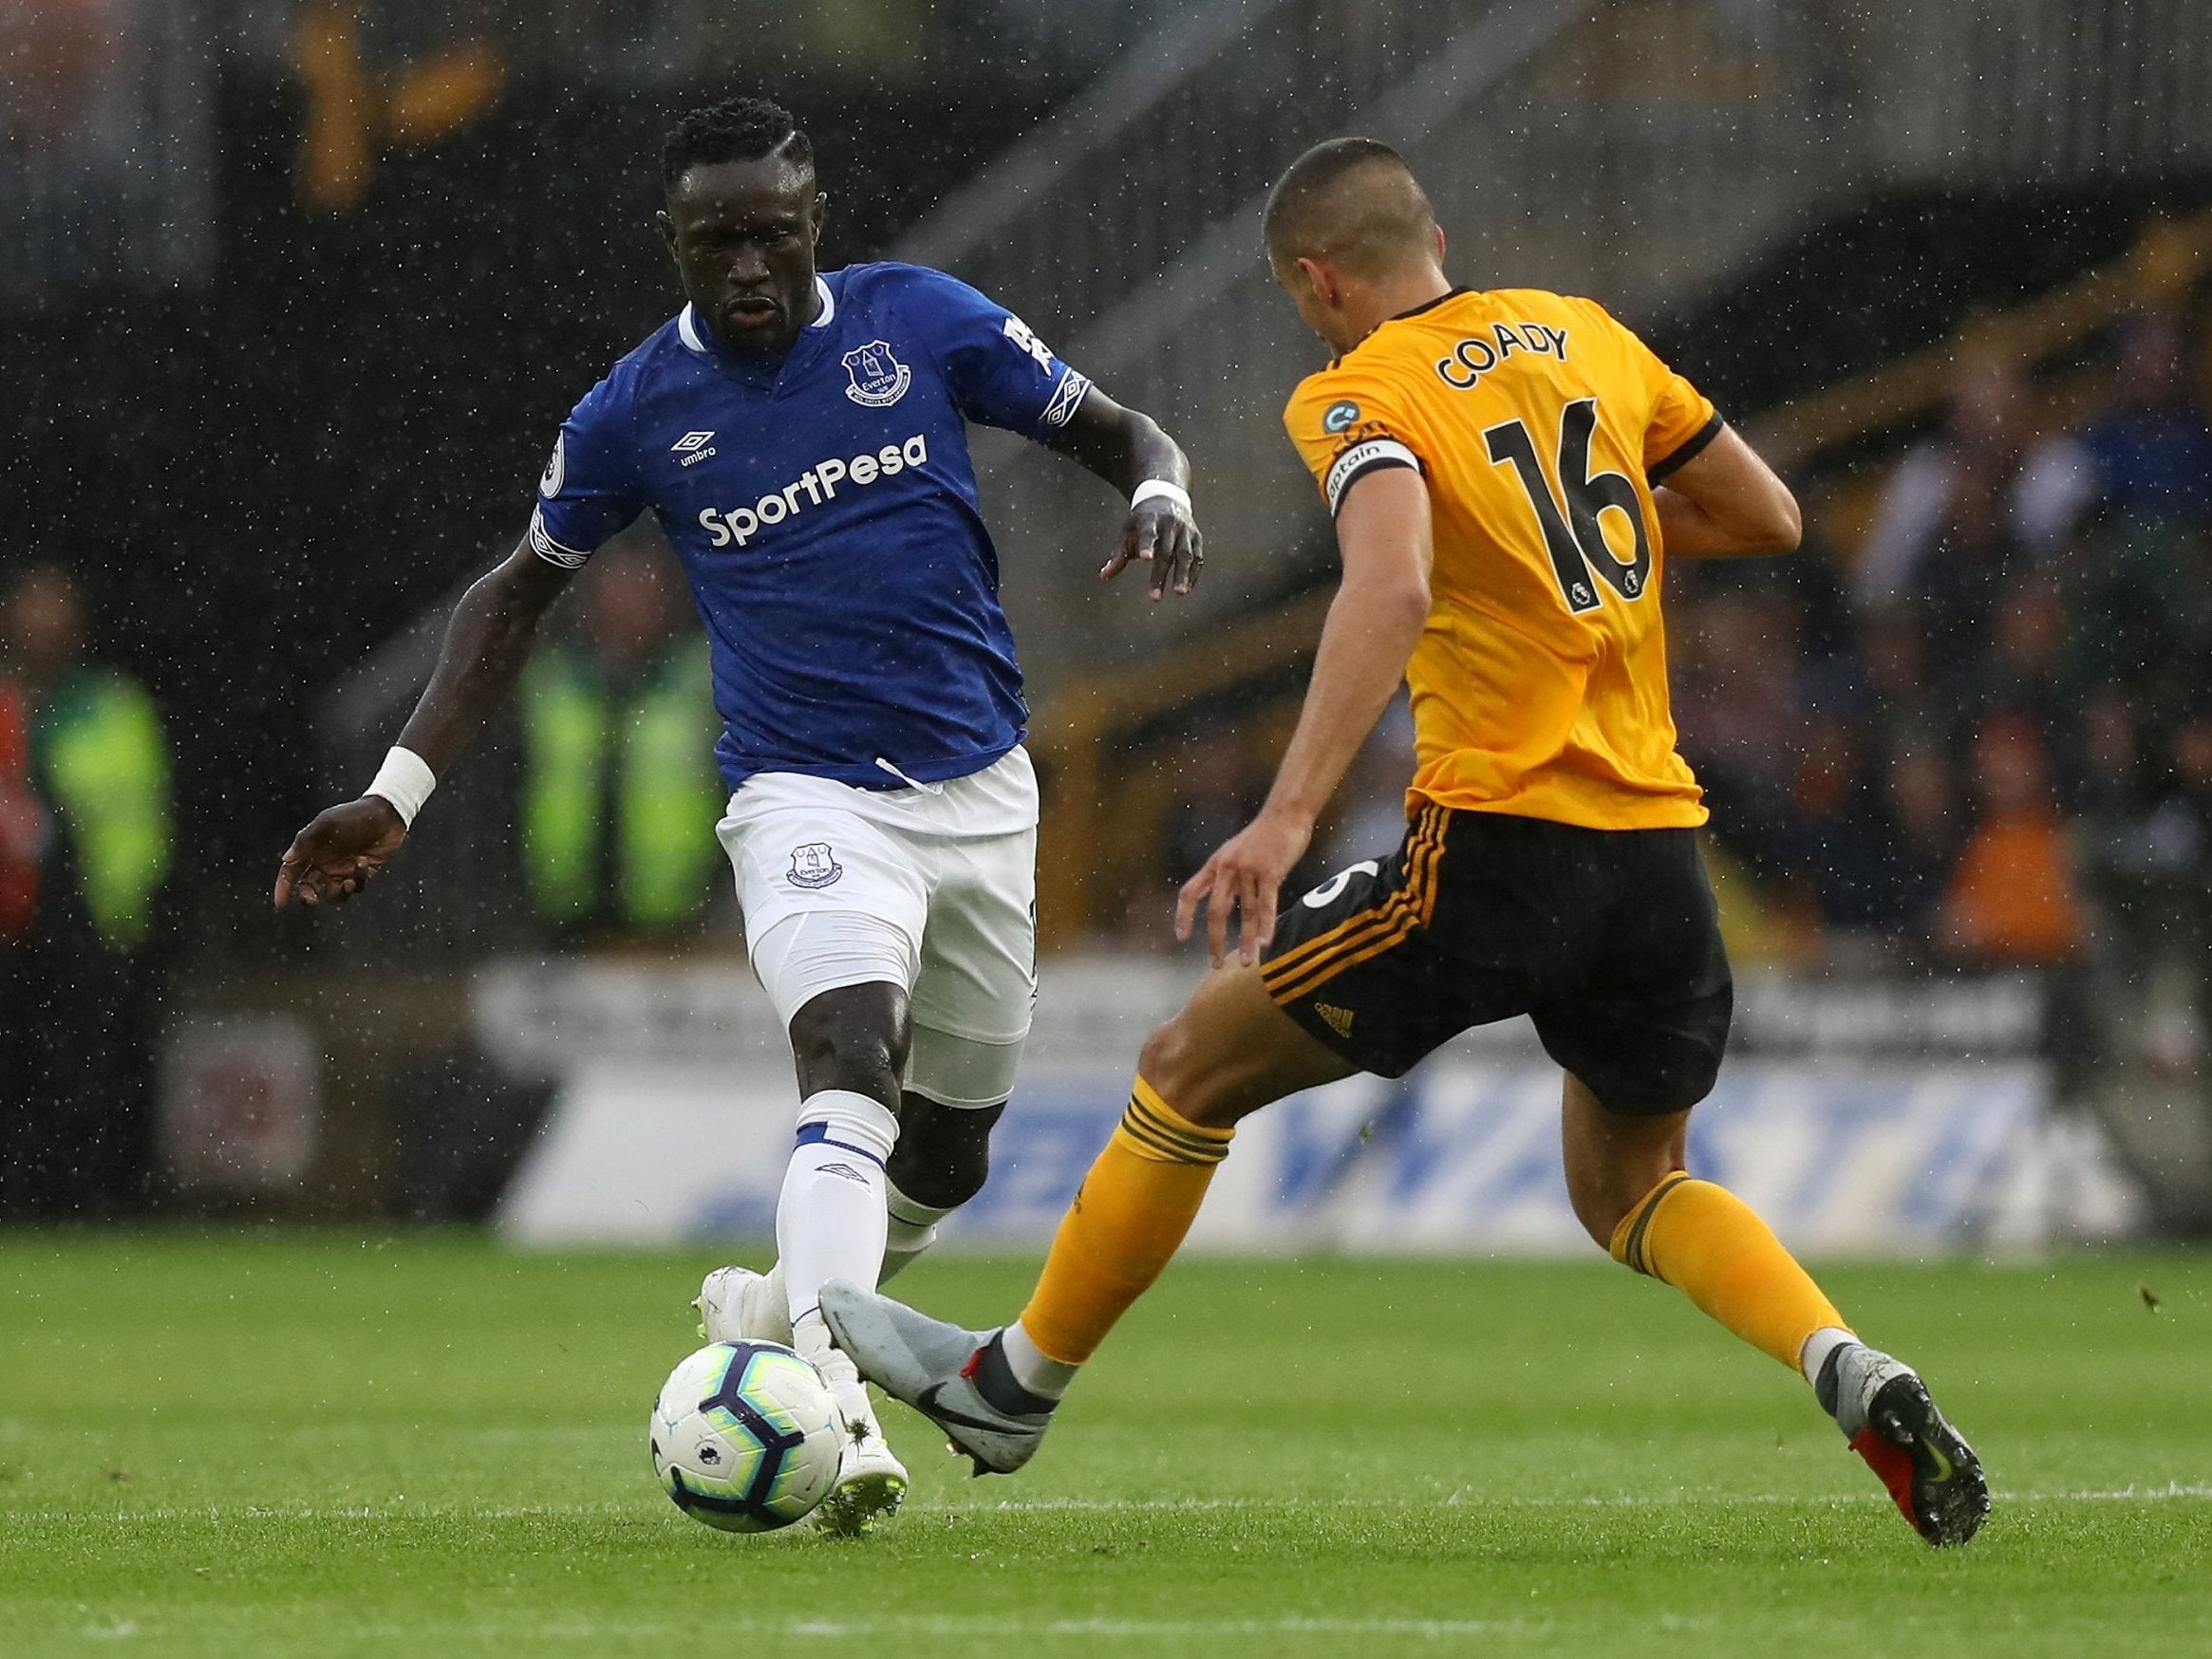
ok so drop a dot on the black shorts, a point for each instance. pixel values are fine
(1609, 939)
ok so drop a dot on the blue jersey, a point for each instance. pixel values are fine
(825, 511)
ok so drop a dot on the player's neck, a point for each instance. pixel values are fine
(1393, 297)
(768, 354)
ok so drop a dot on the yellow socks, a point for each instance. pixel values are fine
(1144, 1191)
(1712, 1246)
(1129, 1216)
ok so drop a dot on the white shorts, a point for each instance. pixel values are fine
(932, 887)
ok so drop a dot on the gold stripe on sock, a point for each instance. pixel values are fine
(1173, 1148)
(1628, 1237)
(1146, 1099)
(1165, 1129)
(1153, 1122)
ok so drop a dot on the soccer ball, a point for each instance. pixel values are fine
(746, 1436)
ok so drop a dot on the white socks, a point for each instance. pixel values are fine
(913, 1229)
(830, 1218)
(1818, 1347)
(1035, 1370)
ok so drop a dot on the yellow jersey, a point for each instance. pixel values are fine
(1540, 425)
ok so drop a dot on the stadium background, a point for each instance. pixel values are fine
(302, 290)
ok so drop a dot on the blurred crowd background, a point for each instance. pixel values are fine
(297, 293)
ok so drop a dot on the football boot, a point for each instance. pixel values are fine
(1886, 1414)
(936, 1368)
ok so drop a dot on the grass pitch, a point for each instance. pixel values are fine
(284, 1443)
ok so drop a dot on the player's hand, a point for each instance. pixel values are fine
(340, 853)
(1163, 535)
(1245, 874)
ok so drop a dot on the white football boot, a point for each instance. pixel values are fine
(738, 1305)
(871, 1482)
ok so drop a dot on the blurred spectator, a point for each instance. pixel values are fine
(2024, 675)
(2148, 454)
(1895, 653)
(84, 846)
(2013, 901)
(1843, 830)
(620, 795)
(1921, 813)
(2127, 851)
(1741, 707)
(2181, 836)
(1954, 498)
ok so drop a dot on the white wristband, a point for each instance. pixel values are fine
(405, 780)
(1162, 490)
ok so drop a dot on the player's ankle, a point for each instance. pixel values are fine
(912, 1228)
(1812, 1359)
(1015, 1375)
(1036, 1370)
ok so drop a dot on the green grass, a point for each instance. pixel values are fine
(314, 1443)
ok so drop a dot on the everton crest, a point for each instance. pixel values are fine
(879, 380)
(814, 864)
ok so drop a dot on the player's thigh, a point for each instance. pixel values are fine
(1612, 1158)
(974, 995)
(829, 898)
(1229, 1051)
(976, 987)
(1643, 1021)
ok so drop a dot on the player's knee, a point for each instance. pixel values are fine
(1599, 1211)
(864, 1056)
(1606, 1195)
(1181, 1069)
(1164, 1063)
(943, 1155)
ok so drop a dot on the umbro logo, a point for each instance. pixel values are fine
(694, 447)
(846, 1170)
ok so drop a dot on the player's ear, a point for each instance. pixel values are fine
(1319, 280)
(666, 225)
(820, 213)
(1439, 230)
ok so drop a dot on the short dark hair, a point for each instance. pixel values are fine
(1319, 208)
(736, 129)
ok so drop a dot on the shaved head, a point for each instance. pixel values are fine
(1354, 203)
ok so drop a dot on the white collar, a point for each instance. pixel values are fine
(687, 320)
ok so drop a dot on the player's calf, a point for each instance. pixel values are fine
(942, 1160)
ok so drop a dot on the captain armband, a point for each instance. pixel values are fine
(1370, 456)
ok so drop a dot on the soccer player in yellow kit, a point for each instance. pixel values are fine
(1509, 471)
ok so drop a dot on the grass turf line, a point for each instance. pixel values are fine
(284, 1443)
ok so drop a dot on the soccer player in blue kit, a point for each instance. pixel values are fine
(800, 437)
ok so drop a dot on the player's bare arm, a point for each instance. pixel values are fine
(1374, 622)
(1127, 448)
(487, 641)
(1725, 502)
